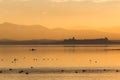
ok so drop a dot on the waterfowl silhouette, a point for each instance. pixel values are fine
(32, 49)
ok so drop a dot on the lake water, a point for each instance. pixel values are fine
(60, 57)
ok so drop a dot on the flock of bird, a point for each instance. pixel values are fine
(15, 60)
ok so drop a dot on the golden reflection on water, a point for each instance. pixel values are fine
(60, 56)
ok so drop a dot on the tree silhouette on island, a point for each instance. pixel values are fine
(87, 41)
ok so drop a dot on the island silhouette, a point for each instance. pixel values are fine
(86, 41)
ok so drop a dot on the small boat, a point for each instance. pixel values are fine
(32, 49)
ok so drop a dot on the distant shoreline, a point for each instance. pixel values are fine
(61, 44)
(73, 41)
(54, 43)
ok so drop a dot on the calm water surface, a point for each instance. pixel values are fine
(61, 56)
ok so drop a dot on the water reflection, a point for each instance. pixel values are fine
(60, 56)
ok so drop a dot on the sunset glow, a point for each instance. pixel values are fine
(100, 15)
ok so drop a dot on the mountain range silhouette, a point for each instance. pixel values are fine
(28, 32)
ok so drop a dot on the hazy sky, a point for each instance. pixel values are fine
(61, 13)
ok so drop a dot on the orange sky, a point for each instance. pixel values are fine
(100, 15)
(61, 13)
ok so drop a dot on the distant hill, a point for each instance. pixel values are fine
(27, 32)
